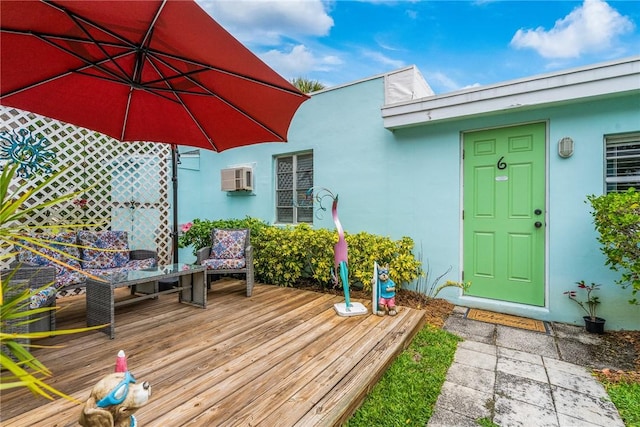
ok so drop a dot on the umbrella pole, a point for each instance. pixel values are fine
(174, 179)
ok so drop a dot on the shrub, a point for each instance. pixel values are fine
(199, 235)
(286, 255)
(617, 219)
(365, 249)
(277, 258)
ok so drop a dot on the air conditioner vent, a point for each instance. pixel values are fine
(236, 179)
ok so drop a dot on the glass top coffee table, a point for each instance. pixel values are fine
(191, 288)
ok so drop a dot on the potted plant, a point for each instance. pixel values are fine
(593, 323)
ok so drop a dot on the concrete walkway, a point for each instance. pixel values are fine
(515, 377)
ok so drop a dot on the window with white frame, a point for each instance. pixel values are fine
(622, 162)
(294, 176)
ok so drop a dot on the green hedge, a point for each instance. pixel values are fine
(287, 255)
(617, 219)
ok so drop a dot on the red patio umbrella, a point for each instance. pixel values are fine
(151, 70)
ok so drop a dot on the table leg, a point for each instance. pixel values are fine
(199, 288)
(100, 306)
(146, 288)
(194, 289)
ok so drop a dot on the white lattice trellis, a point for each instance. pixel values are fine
(128, 182)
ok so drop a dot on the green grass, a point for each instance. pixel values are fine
(486, 422)
(626, 397)
(407, 392)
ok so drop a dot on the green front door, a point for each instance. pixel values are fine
(504, 213)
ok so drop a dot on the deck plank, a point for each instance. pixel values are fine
(281, 357)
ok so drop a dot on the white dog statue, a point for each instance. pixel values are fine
(114, 399)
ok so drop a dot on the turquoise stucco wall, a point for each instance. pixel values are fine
(408, 182)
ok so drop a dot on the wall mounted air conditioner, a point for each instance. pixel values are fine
(236, 179)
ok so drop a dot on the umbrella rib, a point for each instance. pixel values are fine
(224, 100)
(158, 60)
(78, 19)
(181, 102)
(126, 115)
(137, 69)
(128, 44)
(147, 37)
(206, 67)
(88, 64)
(97, 44)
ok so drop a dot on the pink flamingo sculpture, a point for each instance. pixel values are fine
(340, 257)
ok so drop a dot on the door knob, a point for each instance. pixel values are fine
(537, 212)
(538, 224)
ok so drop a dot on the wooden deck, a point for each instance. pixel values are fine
(279, 358)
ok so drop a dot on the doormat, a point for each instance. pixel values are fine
(506, 320)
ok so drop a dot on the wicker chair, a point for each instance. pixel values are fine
(36, 279)
(230, 253)
(15, 326)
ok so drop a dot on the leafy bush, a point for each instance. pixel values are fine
(286, 255)
(280, 255)
(617, 219)
(365, 249)
(199, 235)
(283, 256)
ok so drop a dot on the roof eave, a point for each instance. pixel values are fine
(601, 80)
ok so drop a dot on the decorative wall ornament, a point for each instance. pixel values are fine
(23, 148)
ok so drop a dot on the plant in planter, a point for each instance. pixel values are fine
(592, 322)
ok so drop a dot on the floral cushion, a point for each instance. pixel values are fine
(117, 243)
(221, 264)
(42, 297)
(228, 244)
(66, 277)
(58, 242)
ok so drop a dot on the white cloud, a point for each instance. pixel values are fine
(592, 27)
(471, 86)
(266, 22)
(299, 62)
(383, 59)
(412, 14)
(442, 80)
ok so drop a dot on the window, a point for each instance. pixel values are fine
(294, 176)
(623, 162)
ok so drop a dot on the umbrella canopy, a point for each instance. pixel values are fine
(151, 70)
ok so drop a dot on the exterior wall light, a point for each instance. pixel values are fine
(565, 147)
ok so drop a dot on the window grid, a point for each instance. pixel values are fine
(294, 176)
(622, 162)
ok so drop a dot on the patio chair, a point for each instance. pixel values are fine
(230, 253)
(36, 279)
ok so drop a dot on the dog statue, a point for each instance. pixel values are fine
(114, 399)
(386, 292)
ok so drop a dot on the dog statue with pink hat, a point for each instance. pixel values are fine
(115, 398)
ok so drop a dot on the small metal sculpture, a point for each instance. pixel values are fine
(30, 153)
(340, 255)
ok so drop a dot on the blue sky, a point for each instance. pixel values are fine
(455, 44)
